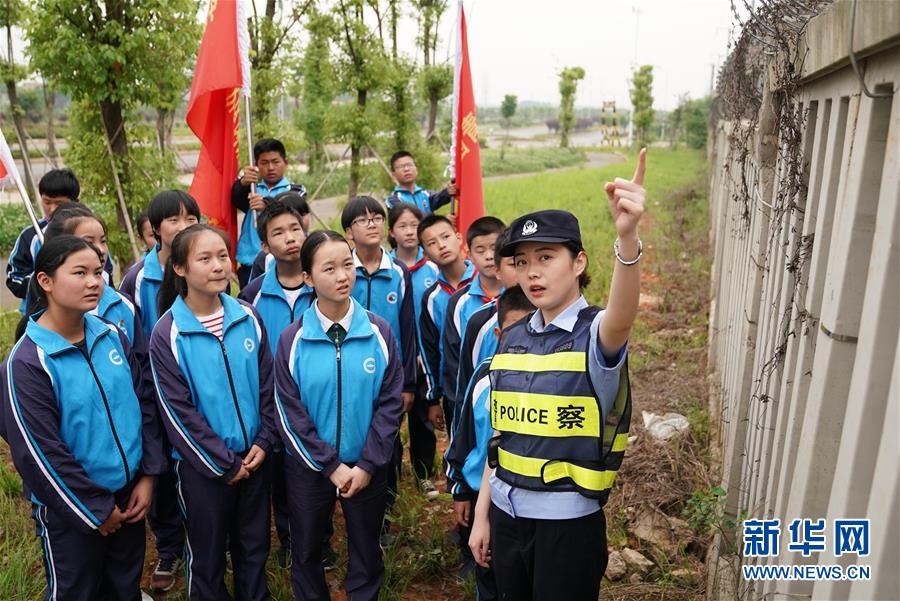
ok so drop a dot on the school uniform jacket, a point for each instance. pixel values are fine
(478, 343)
(248, 243)
(431, 330)
(426, 200)
(215, 397)
(77, 430)
(347, 408)
(467, 453)
(388, 293)
(266, 294)
(141, 285)
(465, 301)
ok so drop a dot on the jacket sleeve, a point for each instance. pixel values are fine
(408, 334)
(44, 461)
(429, 343)
(268, 436)
(450, 355)
(439, 199)
(240, 196)
(126, 286)
(466, 349)
(462, 440)
(259, 265)
(187, 429)
(296, 427)
(379, 446)
(20, 266)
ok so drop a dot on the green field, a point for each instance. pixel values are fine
(417, 562)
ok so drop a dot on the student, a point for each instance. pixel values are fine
(467, 452)
(145, 231)
(57, 187)
(484, 287)
(213, 372)
(338, 421)
(477, 343)
(265, 260)
(539, 518)
(280, 296)
(443, 246)
(403, 168)
(403, 223)
(82, 431)
(170, 212)
(270, 160)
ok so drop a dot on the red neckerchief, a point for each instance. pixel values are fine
(418, 264)
(450, 289)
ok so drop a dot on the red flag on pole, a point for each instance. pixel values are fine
(9, 173)
(465, 156)
(221, 76)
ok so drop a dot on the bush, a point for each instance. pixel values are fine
(13, 219)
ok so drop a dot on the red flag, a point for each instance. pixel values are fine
(9, 173)
(465, 155)
(221, 75)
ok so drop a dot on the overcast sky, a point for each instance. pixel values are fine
(519, 46)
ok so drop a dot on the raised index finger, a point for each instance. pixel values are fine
(641, 167)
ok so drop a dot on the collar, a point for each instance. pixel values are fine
(108, 298)
(355, 322)
(475, 289)
(152, 268)
(421, 259)
(564, 321)
(402, 190)
(54, 344)
(187, 322)
(272, 287)
(264, 189)
(387, 262)
(467, 276)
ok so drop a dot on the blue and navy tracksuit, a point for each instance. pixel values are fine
(141, 284)
(21, 263)
(422, 441)
(261, 264)
(478, 343)
(388, 293)
(249, 244)
(346, 410)
(431, 331)
(466, 456)
(82, 429)
(427, 201)
(464, 302)
(215, 398)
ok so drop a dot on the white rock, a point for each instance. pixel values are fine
(636, 560)
(616, 568)
(666, 426)
(669, 534)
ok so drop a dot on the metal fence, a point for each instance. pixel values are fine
(805, 317)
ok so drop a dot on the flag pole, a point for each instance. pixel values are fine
(28, 208)
(249, 124)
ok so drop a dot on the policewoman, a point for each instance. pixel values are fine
(561, 406)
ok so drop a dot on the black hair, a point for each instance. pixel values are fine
(268, 145)
(60, 182)
(141, 219)
(173, 285)
(399, 155)
(312, 244)
(67, 217)
(484, 226)
(295, 200)
(358, 206)
(502, 240)
(273, 210)
(512, 299)
(574, 248)
(169, 203)
(396, 212)
(52, 255)
(431, 220)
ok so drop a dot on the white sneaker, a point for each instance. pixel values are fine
(429, 489)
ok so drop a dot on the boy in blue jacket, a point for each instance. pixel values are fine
(405, 172)
(467, 452)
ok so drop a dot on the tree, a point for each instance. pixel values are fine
(568, 85)
(50, 102)
(109, 57)
(507, 110)
(435, 81)
(12, 14)
(317, 88)
(642, 101)
(362, 66)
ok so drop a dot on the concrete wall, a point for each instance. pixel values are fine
(804, 361)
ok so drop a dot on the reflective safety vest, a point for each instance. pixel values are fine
(553, 434)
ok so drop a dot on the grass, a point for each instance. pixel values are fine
(422, 562)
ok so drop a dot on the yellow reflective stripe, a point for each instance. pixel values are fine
(620, 442)
(545, 414)
(584, 477)
(568, 361)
